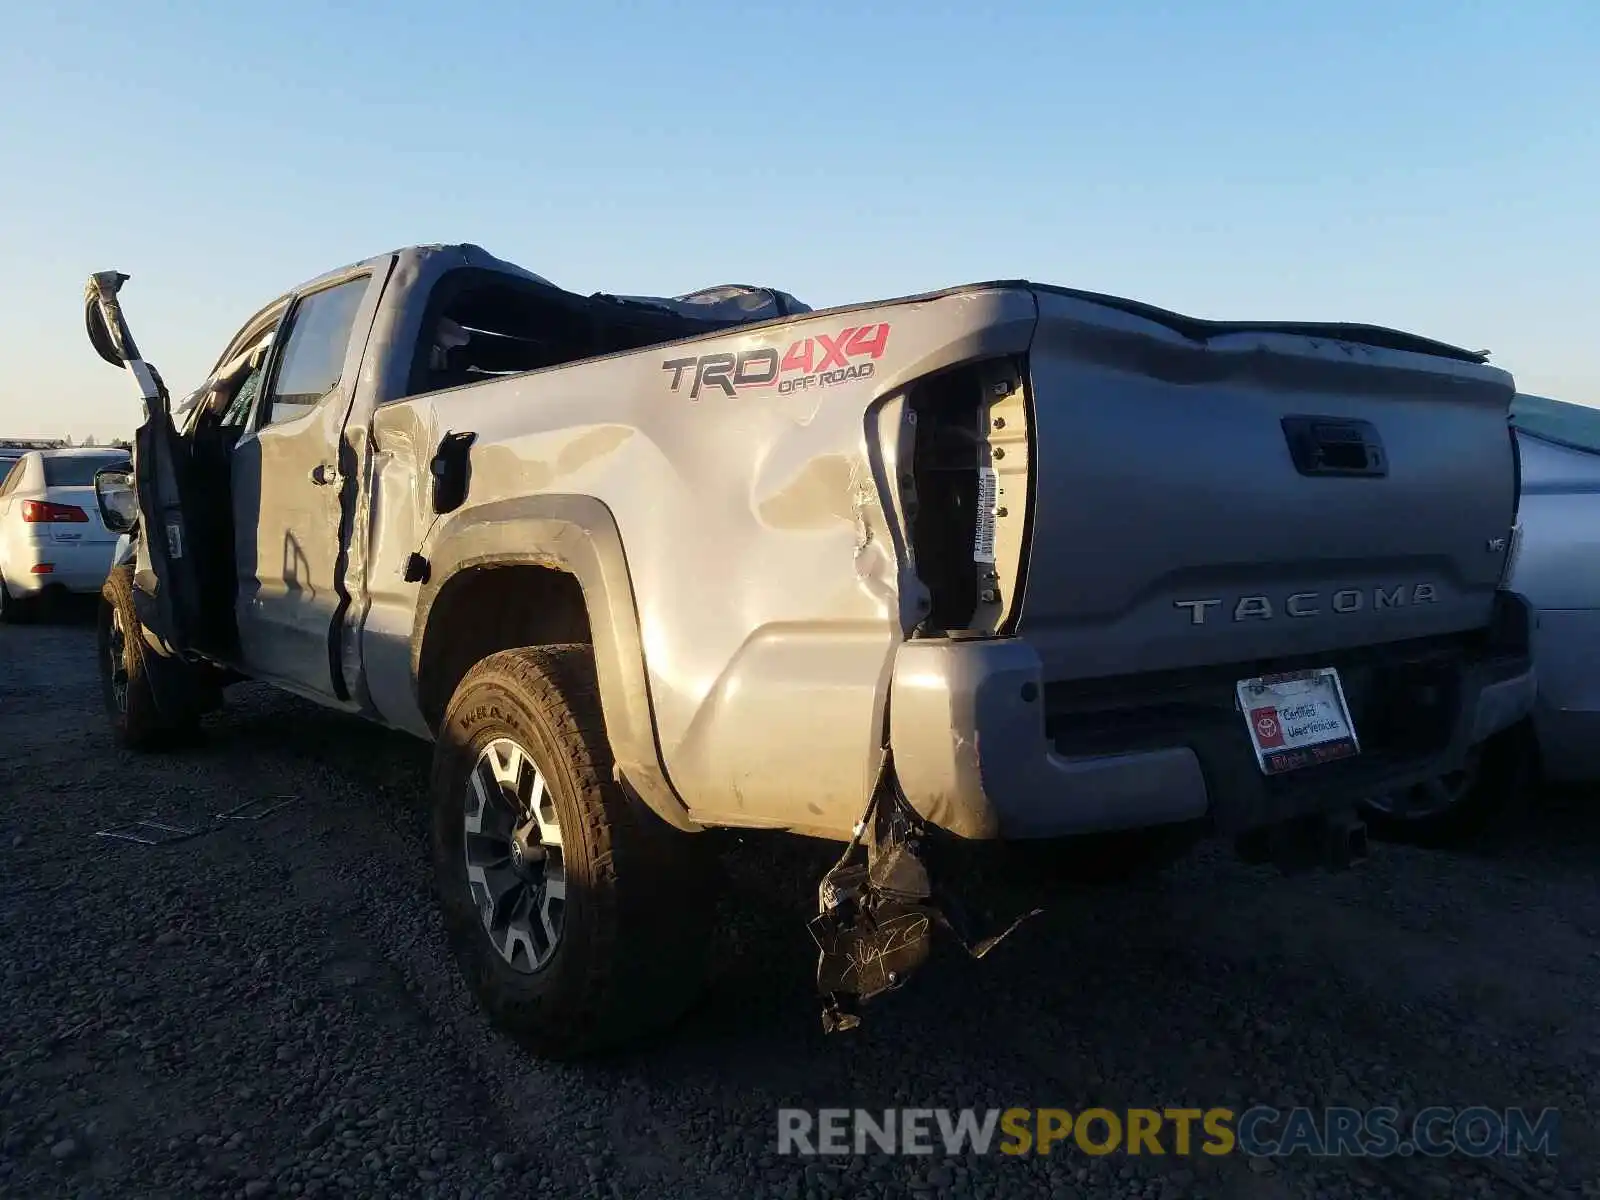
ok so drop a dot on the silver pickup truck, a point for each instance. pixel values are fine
(1006, 562)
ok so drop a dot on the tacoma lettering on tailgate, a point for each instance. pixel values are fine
(1314, 604)
(820, 360)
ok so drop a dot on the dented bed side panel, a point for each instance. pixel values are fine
(746, 475)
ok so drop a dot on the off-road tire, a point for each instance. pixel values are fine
(1493, 795)
(640, 895)
(137, 722)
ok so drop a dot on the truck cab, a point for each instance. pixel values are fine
(256, 484)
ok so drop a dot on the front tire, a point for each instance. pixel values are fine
(126, 664)
(578, 918)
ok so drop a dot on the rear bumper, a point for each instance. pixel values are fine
(74, 566)
(985, 748)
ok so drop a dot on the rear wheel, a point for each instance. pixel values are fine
(126, 665)
(579, 919)
(1487, 792)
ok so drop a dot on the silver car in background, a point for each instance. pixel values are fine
(1556, 566)
(51, 536)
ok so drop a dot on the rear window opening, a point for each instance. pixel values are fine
(78, 470)
(482, 325)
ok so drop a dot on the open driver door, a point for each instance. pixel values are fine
(167, 579)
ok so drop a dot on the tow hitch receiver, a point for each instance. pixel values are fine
(877, 909)
(1331, 841)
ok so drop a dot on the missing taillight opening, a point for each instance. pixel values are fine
(970, 477)
(944, 525)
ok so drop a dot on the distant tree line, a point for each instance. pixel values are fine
(63, 443)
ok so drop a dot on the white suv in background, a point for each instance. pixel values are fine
(51, 535)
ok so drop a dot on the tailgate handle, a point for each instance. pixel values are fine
(1335, 446)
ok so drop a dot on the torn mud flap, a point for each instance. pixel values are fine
(878, 908)
(174, 683)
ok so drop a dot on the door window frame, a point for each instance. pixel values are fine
(284, 334)
(268, 317)
(266, 322)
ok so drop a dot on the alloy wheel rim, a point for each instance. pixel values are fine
(511, 842)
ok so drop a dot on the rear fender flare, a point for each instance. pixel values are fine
(577, 535)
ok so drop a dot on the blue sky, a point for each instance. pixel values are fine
(1434, 166)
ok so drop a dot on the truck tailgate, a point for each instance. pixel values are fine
(1246, 493)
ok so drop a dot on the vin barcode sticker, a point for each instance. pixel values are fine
(983, 534)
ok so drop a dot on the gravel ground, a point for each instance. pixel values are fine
(268, 1010)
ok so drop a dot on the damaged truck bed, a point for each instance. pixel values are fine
(1008, 562)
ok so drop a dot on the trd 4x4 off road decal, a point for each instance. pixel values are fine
(817, 361)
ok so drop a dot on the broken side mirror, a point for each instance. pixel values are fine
(113, 341)
(100, 309)
(115, 495)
